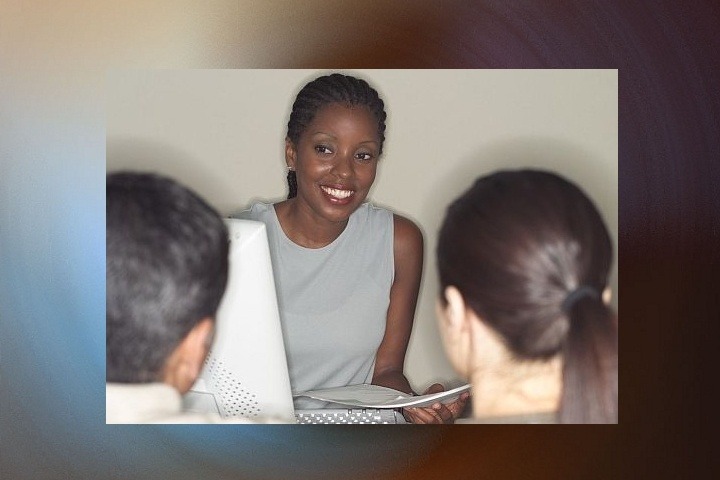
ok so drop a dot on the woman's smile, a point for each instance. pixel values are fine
(337, 196)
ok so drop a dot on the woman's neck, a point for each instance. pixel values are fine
(517, 388)
(305, 228)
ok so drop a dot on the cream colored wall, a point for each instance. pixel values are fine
(221, 132)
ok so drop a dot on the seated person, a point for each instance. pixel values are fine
(167, 266)
(523, 258)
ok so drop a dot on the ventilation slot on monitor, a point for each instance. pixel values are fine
(234, 399)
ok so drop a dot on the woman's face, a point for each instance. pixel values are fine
(335, 160)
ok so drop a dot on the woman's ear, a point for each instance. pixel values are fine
(290, 154)
(455, 329)
(607, 296)
(455, 311)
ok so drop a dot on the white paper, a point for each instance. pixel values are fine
(374, 396)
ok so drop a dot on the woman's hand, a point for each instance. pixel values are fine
(438, 412)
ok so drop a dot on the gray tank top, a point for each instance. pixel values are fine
(333, 300)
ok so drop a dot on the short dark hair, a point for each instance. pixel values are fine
(167, 266)
(326, 90)
(515, 245)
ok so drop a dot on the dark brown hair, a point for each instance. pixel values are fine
(516, 245)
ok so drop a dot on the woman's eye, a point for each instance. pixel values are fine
(323, 149)
(364, 156)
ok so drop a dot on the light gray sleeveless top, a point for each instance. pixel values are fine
(333, 300)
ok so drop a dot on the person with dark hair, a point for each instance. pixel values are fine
(167, 266)
(523, 258)
(347, 272)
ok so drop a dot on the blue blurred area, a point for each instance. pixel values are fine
(52, 245)
(52, 340)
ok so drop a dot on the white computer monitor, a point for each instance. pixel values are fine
(245, 373)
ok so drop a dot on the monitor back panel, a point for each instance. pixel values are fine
(246, 369)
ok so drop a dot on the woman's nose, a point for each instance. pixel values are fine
(344, 166)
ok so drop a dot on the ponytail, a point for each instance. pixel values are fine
(590, 374)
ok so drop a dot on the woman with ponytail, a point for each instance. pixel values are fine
(523, 259)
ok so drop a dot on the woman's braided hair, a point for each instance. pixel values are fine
(326, 90)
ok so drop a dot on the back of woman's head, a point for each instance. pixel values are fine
(531, 255)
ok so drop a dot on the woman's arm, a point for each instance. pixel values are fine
(408, 255)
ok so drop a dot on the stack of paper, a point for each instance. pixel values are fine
(374, 396)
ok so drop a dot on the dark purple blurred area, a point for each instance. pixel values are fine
(668, 60)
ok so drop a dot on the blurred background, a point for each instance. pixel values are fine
(57, 62)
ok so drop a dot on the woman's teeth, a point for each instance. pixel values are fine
(334, 192)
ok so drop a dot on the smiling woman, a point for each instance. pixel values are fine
(335, 160)
(347, 272)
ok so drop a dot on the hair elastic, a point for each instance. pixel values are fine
(577, 294)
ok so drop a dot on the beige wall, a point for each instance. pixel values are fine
(221, 132)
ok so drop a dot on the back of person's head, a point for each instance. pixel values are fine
(530, 254)
(326, 90)
(167, 266)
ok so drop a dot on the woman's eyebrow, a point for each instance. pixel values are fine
(330, 135)
(324, 134)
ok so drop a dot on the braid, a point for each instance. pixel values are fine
(292, 184)
(325, 90)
